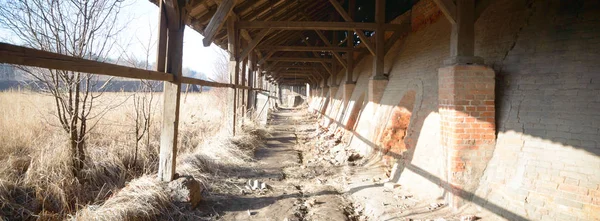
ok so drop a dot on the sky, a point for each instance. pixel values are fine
(144, 25)
(142, 16)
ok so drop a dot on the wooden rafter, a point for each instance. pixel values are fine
(448, 8)
(265, 58)
(335, 54)
(216, 22)
(312, 25)
(359, 32)
(303, 48)
(300, 59)
(397, 35)
(253, 43)
(324, 64)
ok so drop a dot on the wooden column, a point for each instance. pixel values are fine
(172, 48)
(379, 80)
(244, 91)
(334, 66)
(350, 45)
(251, 77)
(232, 37)
(462, 16)
(378, 60)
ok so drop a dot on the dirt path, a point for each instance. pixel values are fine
(295, 192)
(312, 176)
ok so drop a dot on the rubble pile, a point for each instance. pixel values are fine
(327, 146)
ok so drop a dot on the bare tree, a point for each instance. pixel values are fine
(79, 28)
(221, 65)
(143, 97)
(221, 74)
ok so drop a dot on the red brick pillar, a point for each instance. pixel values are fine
(466, 107)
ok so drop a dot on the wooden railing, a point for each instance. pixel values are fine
(18, 55)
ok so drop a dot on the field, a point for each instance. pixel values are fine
(35, 177)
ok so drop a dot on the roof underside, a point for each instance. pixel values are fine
(273, 62)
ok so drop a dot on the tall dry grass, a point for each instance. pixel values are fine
(35, 178)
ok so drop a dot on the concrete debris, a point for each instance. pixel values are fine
(391, 185)
(469, 218)
(404, 197)
(433, 206)
(263, 186)
(310, 203)
(330, 149)
(255, 185)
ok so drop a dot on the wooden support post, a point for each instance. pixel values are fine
(236, 95)
(171, 95)
(350, 46)
(334, 67)
(378, 60)
(251, 77)
(232, 39)
(243, 93)
(161, 53)
(462, 16)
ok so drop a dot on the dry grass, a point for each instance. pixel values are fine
(36, 181)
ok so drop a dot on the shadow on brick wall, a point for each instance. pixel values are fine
(406, 165)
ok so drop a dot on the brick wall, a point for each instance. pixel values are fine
(546, 164)
(546, 161)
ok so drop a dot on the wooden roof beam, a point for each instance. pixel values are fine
(448, 8)
(217, 21)
(304, 48)
(253, 43)
(325, 65)
(312, 25)
(265, 58)
(288, 16)
(335, 54)
(300, 59)
(359, 32)
(397, 35)
(263, 9)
